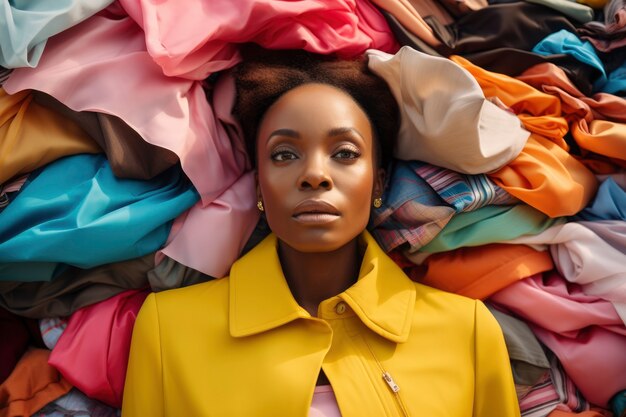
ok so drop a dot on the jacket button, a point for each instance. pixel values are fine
(340, 308)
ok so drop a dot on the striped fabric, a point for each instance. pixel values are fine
(464, 192)
(555, 391)
(422, 198)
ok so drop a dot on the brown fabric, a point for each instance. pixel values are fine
(74, 288)
(406, 38)
(170, 274)
(519, 25)
(129, 155)
(31, 386)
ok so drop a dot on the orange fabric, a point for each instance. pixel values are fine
(548, 178)
(32, 136)
(480, 271)
(544, 175)
(32, 384)
(539, 112)
(596, 123)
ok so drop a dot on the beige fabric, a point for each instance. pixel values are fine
(445, 118)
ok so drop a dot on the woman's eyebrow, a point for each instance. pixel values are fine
(290, 133)
(338, 131)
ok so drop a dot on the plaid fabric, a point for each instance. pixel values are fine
(51, 329)
(421, 199)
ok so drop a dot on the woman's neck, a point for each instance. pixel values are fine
(314, 277)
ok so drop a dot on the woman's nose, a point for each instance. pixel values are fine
(315, 175)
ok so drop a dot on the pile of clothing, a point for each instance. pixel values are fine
(123, 171)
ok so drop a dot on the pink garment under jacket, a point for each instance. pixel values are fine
(588, 253)
(192, 39)
(92, 352)
(583, 331)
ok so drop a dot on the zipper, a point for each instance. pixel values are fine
(391, 384)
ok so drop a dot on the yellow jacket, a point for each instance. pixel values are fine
(242, 346)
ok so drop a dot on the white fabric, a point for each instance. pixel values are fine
(592, 254)
(445, 118)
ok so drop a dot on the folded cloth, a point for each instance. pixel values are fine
(445, 118)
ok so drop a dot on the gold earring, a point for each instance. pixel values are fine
(378, 202)
(259, 205)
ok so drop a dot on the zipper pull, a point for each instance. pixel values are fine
(389, 380)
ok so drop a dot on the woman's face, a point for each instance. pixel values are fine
(316, 168)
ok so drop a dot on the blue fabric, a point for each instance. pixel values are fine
(608, 204)
(75, 211)
(26, 25)
(564, 42)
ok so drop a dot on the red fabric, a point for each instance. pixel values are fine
(16, 335)
(92, 352)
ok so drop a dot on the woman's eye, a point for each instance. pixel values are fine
(283, 156)
(346, 154)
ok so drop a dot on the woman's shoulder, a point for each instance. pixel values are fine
(182, 301)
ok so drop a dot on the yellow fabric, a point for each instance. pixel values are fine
(32, 136)
(242, 346)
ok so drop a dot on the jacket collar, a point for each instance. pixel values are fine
(260, 300)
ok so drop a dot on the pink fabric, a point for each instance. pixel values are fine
(324, 403)
(584, 332)
(582, 254)
(192, 39)
(209, 237)
(116, 75)
(92, 352)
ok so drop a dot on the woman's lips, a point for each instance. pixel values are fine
(315, 212)
(315, 218)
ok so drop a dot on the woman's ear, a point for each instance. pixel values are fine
(379, 183)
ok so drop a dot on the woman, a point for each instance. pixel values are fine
(316, 319)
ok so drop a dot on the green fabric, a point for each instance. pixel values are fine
(490, 224)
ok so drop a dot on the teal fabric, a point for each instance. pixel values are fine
(75, 211)
(564, 42)
(26, 25)
(490, 224)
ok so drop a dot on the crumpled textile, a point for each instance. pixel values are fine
(479, 271)
(129, 155)
(32, 385)
(490, 224)
(75, 403)
(26, 25)
(568, 43)
(589, 337)
(210, 236)
(32, 136)
(590, 254)
(75, 288)
(193, 39)
(597, 123)
(421, 198)
(75, 211)
(609, 34)
(446, 121)
(116, 75)
(608, 204)
(544, 174)
(92, 352)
